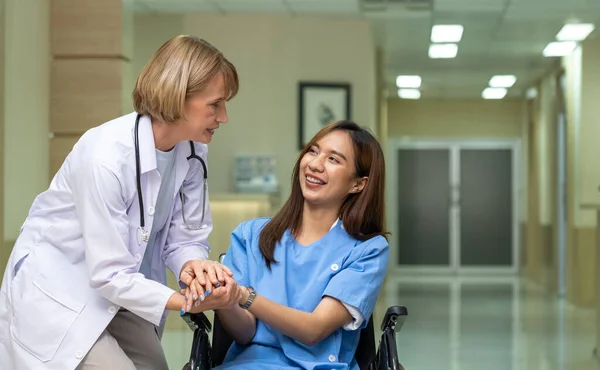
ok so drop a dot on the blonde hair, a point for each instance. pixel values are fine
(181, 67)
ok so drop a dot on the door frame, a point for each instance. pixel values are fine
(454, 146)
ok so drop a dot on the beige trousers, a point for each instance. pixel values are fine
(128, 343)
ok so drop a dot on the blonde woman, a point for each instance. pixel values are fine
(85, 285)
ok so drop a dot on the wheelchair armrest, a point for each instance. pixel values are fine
(394, 318)
(197, 320)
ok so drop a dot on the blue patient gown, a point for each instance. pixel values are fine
(337, 265)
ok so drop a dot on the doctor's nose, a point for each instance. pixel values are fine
(222, 115)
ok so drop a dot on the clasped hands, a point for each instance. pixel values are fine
(209, 285)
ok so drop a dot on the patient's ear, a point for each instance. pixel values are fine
(359, 185)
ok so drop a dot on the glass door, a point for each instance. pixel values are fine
(452, 206)
(423, 228)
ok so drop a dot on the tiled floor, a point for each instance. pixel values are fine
(468, 324)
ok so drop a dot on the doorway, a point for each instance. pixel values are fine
(452, 206)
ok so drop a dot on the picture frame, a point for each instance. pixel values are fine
(320, 103)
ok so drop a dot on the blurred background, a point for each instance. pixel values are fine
(487, 111)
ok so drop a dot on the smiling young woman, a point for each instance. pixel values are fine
(305, 281)
(349, 167)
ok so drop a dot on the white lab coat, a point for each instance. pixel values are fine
(78, 256)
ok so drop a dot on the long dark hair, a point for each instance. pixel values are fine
(362, 214)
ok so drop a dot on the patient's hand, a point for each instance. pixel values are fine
(201, 276)
(224, 296)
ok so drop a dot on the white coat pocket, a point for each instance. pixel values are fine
(42, 300)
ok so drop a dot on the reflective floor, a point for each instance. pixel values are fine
(468, 324)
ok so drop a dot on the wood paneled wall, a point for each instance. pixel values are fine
(90, 56)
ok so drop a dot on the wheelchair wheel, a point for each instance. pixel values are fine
(187, 367)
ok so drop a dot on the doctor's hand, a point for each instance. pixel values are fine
(200, 276)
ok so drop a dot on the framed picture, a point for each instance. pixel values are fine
(319, 104)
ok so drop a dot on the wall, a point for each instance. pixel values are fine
(597, 278)
(581, 107)
(581, 90)
(532, 251)
(545, 190)
(455, 118)
(3, 248)
(524, 178)
(272, 53)
(26, 108)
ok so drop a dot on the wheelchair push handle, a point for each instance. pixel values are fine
(197, 320)
(394, 318)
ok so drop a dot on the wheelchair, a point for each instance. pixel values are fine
(205, 356)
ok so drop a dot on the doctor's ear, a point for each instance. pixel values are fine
(359, 185)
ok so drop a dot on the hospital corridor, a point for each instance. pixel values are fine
(458, 138)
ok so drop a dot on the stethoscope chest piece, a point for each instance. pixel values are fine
(142, 236)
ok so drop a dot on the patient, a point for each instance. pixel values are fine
(316, 267)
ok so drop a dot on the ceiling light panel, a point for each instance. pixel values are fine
(494, 93)
(503, 81)
(442, 51)
(409, 93)
(443, 33)
(413, 82)
(531, 93)
(575, 32)
(559, 48)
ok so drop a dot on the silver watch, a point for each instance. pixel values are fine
(250, 299)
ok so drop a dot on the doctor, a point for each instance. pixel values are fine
(85, 285)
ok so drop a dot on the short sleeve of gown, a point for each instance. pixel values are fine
(236, 257)
(359, 281)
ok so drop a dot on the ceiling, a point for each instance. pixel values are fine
(500, 36)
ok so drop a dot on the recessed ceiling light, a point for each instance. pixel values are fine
(531, 93)
(409, 93)
(503, 81)
(575, 32)
(413, 82)
(559, 48)
(494, 93)
(446, 33)
(439, 51)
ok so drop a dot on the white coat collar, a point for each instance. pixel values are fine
(148, 150)
(146, 142)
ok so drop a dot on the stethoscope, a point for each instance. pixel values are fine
(143, 235)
